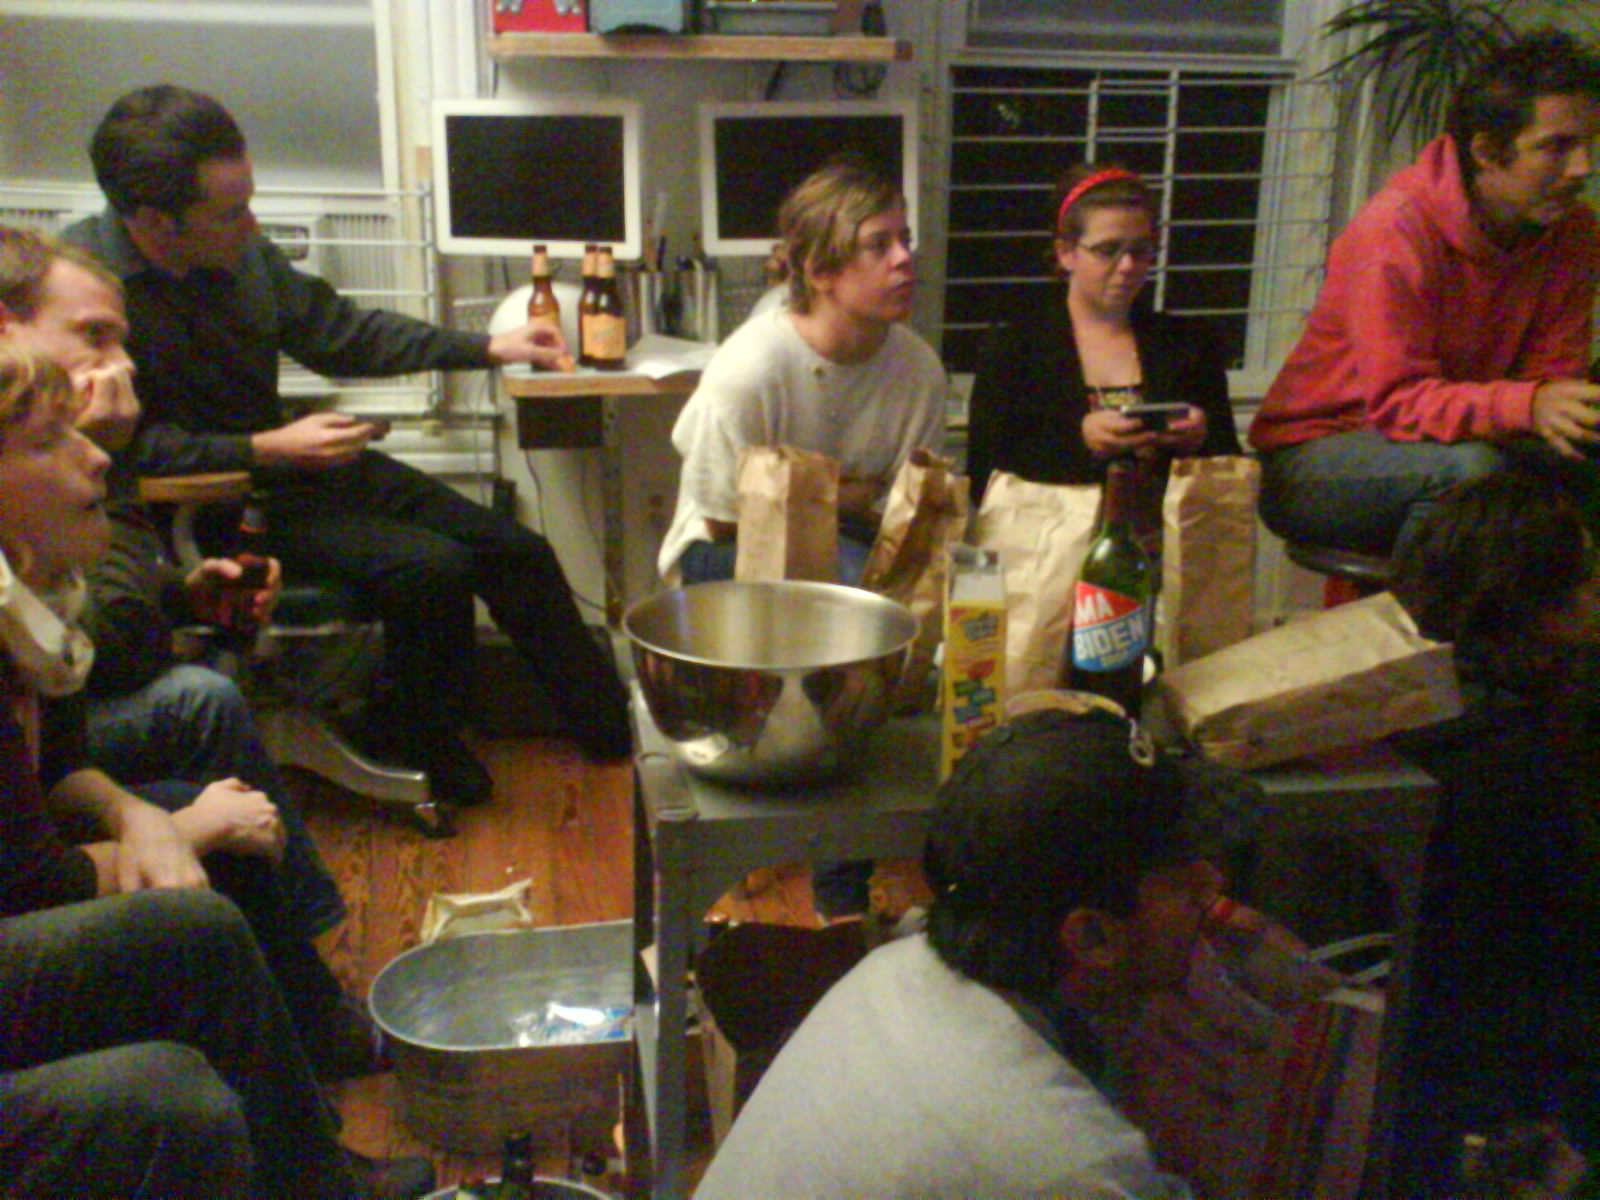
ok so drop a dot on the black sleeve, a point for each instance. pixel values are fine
(331, 335)
(162, 448)
(135, 601)
(994, 384)
(37, 868)
(63, 739)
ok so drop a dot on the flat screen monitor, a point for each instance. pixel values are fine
(562, 171)
(751, 155)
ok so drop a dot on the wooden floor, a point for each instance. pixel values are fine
(556, 820)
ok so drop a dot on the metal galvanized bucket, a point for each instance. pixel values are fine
(495, 1032)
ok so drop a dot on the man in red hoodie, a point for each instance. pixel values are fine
(1454, 323)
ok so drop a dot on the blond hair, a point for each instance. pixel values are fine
(29, 382)
(819, 219)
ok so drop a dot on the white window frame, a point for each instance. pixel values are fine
(1301, 201)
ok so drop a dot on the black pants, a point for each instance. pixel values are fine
(1504, 1014)
(310, 990)
(146, 1053)
(420, 552)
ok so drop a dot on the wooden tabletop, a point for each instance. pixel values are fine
(588, 382)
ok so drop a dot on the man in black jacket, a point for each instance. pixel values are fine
(211, 304)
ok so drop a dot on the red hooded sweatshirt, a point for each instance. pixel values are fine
(1425, 329)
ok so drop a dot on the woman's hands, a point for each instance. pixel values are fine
(1110, 434)
(1185, 435)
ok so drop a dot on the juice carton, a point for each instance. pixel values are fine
(972, 692)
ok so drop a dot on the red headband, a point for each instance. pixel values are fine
(1083, 185)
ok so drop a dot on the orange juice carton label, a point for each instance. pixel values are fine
(972, 691)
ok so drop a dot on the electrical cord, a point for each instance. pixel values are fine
(543, 530)
(598, 534)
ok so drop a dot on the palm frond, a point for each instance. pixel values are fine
(1419, 51)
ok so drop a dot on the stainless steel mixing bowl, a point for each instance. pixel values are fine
(768, 684)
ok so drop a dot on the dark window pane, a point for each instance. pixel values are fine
(1207, 130)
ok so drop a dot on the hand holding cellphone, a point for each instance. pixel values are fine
(1156, 417)
(380, 427)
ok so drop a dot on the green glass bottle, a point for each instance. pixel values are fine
(516, 1168)
(1113, 603)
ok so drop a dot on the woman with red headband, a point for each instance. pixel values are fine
(1046, 402)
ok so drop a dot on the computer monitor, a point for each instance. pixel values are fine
(563, 171)
(751, 155)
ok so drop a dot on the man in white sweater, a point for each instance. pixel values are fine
(1063, 882)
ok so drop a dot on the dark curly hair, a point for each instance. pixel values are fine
(149, 147)
(1497, 98)
(1496, 554)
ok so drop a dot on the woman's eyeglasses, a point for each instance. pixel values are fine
(1111, 252)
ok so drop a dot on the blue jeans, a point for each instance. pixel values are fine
(148, 1054)
(711, 562)
(838, 889)
(191, 723)
(1360, 491)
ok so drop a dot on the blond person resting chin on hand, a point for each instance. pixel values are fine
(53, 525)
(69, 832)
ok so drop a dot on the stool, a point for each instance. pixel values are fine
(1350, 574)
(290, 714)
(294, 727)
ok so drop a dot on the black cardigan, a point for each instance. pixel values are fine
(1029, 399)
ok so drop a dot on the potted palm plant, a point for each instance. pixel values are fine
(1416, 52)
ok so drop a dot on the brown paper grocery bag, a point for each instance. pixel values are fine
(788, 515)
(1209, 556)
(1042, 531)
(1350, 674)
(925, 515)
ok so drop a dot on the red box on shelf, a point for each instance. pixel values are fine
(541, 16)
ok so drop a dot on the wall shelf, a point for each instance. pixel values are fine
(843, 48)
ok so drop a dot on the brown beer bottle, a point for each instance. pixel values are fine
(517, 1181)
(586, 302)
(1113, 610)
(237, 626)
(542, 304)
(605, 334)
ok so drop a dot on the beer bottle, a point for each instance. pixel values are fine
(235, 599)
(586, 302)
(605, 334)
(516, 1168)
(1113, 613)
(542, 304)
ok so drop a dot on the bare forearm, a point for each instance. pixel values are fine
(91, 793)
(151, 849)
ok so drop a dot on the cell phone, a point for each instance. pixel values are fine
(380, 427)
(1156, 416)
